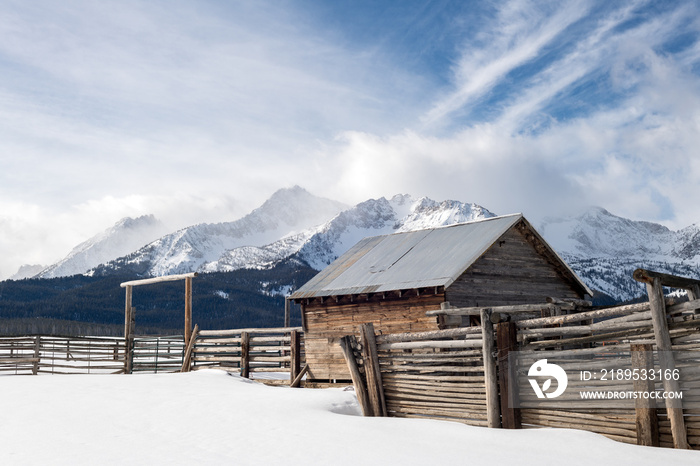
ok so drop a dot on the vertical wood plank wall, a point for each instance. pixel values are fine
(510, 272)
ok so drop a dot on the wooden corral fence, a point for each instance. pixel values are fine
(255, 353)
(436, 373)
(38, 354)
(264, 354)
(154, 354)
(471, 374)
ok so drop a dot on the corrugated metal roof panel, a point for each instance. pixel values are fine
(416, 259)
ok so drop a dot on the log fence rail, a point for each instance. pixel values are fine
(253, 352)
(451, 374)
(265, 354)
(43, 354)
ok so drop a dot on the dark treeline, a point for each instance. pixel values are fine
(81, 305)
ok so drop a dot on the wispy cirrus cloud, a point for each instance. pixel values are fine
(517, 35)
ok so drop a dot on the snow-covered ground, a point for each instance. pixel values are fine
(212, 418)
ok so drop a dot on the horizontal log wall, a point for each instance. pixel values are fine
(328, 322)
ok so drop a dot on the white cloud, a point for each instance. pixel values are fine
(32, 234)
(638, 159)
(198, 112)
(128, 94)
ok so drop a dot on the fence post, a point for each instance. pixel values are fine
(128, 332)
(493, 412)
(245, 355)
(286, 311)
(645, 409)
(694, 293)
(295, 356)
(507, 341)
(674, 406)
(372, 372)
(37, 355)
(188, 310)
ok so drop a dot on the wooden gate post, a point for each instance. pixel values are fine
(493, 411)
(507, 341)
(674, 406)
(645, 409)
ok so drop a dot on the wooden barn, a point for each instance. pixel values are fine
(392, 280)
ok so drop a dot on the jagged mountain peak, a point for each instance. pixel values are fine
(381, 216)
(427, 213)
(604, 249)
(130, 222)
(688, 247)
(292, 222)
(124, 236)
(598, 233)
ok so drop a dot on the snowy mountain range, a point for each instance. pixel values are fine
(281, 219)
(605, 249)
(293, 224)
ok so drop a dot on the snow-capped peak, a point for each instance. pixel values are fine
(27, 271)
(427, 213)
(604, 249)
(199, 247)
(124, 237)
(598, 233)
(382, 216)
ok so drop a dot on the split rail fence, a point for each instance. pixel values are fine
(266, 354)
(470, 374)
(255, 353)
(42, 354)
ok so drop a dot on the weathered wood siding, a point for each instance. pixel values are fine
(518, 269)
(327, 323)
(512, 271)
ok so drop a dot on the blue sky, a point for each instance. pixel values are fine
(198, 110)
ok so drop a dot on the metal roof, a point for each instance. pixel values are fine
(414, 259)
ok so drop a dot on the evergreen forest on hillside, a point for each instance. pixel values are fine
(81, 305)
